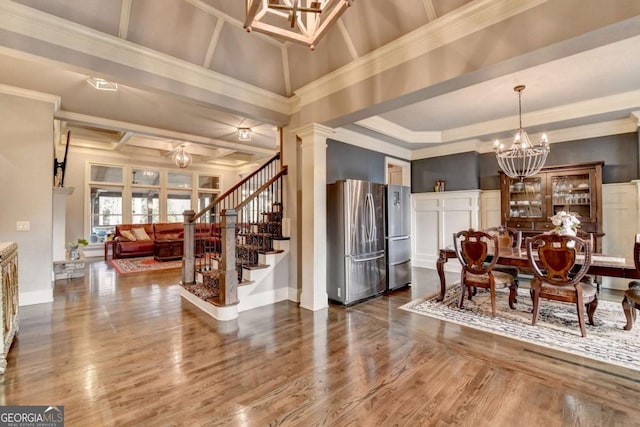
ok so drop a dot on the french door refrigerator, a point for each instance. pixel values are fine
(398, 236)
(355, 240)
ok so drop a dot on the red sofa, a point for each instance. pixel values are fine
(126, 248)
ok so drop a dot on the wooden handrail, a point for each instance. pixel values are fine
(234, 188)
(263, 187)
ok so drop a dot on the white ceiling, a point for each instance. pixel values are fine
(188, 72)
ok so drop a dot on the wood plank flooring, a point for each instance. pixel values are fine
(126, 350)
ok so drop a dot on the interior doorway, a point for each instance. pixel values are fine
(397, 172)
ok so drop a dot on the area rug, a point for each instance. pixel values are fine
(557, 326)
(143, 265)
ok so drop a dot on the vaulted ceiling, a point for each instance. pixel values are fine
(419, 77)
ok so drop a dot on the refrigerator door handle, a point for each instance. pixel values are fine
(399, 238)
(368, 258)
(372, 223)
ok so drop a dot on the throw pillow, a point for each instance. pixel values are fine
(140, 234)
(128, 235)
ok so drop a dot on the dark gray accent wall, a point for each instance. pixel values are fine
(619, 153)
(345, 161)
(460, 171)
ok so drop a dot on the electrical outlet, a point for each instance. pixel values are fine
(23, 226)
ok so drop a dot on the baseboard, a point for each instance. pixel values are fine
(219, 313)
(36, 297)
(272, 296)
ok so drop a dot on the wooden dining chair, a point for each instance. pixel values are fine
(507, 238)
(552, 258)
(631, 300)
(477, 251)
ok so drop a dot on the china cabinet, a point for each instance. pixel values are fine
(527, 205)
(9, 306)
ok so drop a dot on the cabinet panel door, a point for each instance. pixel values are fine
(525, 198)
(573, 192)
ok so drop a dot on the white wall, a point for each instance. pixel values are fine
(26, 179)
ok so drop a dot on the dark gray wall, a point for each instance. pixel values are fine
(345, 161)
(460, 171)
(619, 153)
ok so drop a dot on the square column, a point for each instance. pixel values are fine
(313, 227)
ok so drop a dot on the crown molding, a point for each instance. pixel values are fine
(388, 128)
(595, 130)
(31, 94)
(161, 133)
(473, 17)
(363, 141)
(47, 28)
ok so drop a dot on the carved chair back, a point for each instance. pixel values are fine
(473, 248)
(552, 258)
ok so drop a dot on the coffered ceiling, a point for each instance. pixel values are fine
(417, 77)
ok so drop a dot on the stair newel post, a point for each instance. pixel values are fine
(188, 258)
(228, 273)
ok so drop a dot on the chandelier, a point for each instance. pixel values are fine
(298, 21)
(181, 158)
(523, 159)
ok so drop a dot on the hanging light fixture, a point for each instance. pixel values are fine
(181, 158)
(523, 159)
(298, 21)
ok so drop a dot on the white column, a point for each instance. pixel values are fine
(313, 238)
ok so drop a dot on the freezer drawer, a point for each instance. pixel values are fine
(364, 277)
(399, 275)
(398, 249)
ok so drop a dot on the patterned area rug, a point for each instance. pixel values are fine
(557, 326)
(142, 265)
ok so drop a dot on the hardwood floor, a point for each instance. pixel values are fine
(126, 350)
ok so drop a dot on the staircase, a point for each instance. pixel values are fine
(226, 243)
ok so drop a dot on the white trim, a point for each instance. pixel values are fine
(347, 39)
(213, 43)
(70, 35)
(468, 19)
(35, 297)
(219, 313)
(406, 170)
(125, 17)
(612, 127)
(31, 94)
(162, 133)
(354, 138)
(389, 128)
(430, 10)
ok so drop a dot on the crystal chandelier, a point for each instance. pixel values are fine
(523, 159)
(181, 158)
(298, 21)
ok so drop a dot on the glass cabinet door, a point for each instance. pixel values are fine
(572, 193)
(525, 198)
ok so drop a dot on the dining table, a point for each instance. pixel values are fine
(601, 264)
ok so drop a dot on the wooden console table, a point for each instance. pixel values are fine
(9, 305)
(601, 265)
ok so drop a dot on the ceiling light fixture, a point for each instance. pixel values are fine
(522, 159)
(102, 84)
(244, 134)
(181, 158)
(299, 21)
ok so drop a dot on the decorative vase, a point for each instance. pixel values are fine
(567, 230)
(74, 253)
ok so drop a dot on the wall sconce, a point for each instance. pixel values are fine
(181, 158)
(244, 134)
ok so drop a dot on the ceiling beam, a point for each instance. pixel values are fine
(213, 43)
(286, 71)
(347, 39)
(124, 140)
(430, 9)
(125, 16)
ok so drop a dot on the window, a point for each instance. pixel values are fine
(178, 201)
(142, 195)
(145, 206)
(106, 211)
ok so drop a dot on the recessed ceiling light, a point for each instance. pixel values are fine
(102, 84)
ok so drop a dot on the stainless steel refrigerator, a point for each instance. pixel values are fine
(398, 236)
(355, 240)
